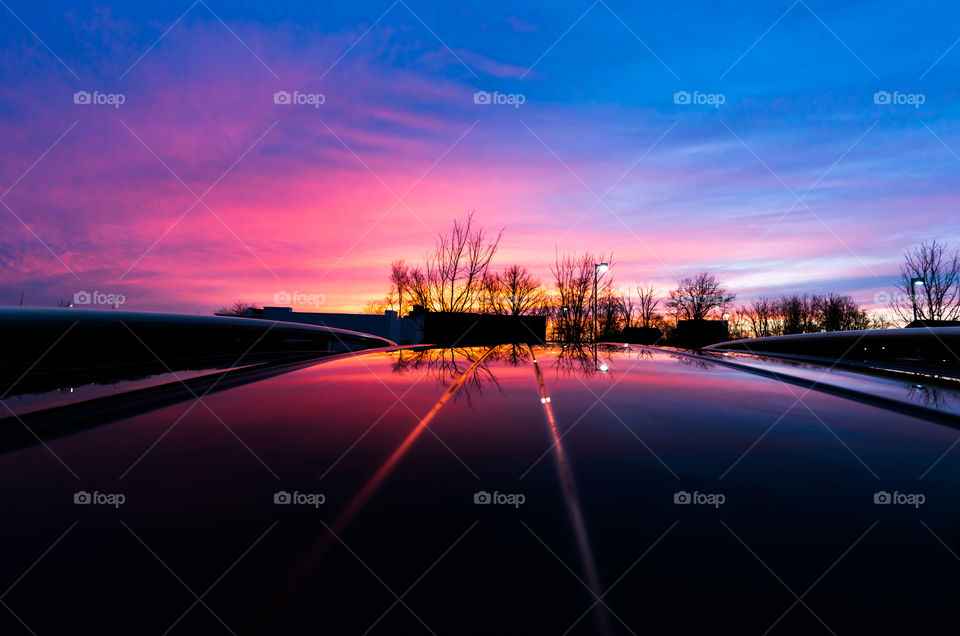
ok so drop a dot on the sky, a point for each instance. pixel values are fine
(182, 156)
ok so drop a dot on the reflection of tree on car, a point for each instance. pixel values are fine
(929, 396)
(446, 365)
(582, 360)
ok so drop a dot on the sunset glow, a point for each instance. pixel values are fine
(198, 189)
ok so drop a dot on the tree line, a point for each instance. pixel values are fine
(581, 301)
(928, 290)
(801, 314)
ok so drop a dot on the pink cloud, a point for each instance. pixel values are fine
(310, 210)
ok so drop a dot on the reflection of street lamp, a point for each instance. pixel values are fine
(599, 366)
(917, 280)
(598, 268)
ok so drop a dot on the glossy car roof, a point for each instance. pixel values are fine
(422, 455)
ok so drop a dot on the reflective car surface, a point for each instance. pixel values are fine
(516, 490)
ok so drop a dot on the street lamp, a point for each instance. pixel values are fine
(564, 322)
(726, 316)
(598, 268)
(916, 280)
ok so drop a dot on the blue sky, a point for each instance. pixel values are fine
(798, 181)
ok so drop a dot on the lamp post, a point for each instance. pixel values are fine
(598, 268)
(916, 280)
(564, 322)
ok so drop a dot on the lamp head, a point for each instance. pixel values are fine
(603, 267)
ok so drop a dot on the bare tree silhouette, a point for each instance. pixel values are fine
(455, 275)
(938, 298)
(647, 302)
(796, 314)
(399, 284)
(762, 318)
(697, 296)
(458, 264)
(238, 308)
(514, 292)
(628, 309)
(804, 314)
(838, 313)
(574, 278)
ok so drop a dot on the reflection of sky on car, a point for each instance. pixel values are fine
(599, 479)
(26, 403)
(913, 389)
